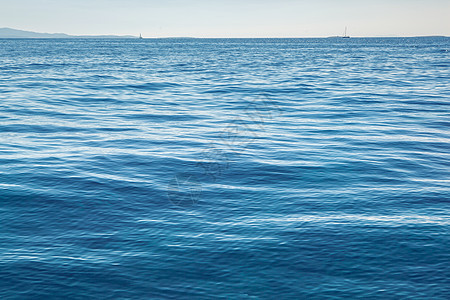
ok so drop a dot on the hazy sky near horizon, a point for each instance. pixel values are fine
(230, 18)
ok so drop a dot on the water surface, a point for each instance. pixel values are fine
(228, 169)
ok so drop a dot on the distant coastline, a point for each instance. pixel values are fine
(23, 34)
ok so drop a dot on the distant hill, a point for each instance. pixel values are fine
(22, 34)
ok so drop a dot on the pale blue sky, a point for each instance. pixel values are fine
(230, 18)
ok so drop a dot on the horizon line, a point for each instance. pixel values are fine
(129, 36)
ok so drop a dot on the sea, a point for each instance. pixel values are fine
(225, 168)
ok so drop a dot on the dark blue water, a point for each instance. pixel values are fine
(227, 169)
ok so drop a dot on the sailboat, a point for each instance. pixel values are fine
(140, 36)
(345, 36)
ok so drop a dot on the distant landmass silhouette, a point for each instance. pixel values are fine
(22, 34)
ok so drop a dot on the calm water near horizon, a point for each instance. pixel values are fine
(225, 168)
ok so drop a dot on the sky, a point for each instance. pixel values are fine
(229, 18)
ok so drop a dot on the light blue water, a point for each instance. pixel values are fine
(228, 169)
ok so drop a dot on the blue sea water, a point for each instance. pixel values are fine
(225, 168)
